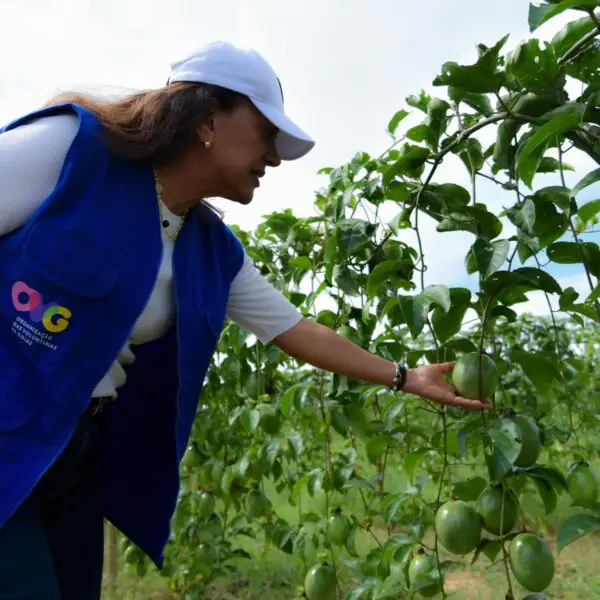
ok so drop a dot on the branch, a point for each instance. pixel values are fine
(575, 137)
(571, 52)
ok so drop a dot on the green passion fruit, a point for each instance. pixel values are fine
(531, 562)
(458, 527)
(475, 376)
(492, 515)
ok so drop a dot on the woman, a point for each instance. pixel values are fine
(115, 281)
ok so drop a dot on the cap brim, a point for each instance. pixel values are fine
(291, 143)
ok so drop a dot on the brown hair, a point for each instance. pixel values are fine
(155, 125)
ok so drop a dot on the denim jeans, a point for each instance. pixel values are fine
(52, 546)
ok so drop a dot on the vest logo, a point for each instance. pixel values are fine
(53, 317)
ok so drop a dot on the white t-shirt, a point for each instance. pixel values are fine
(31, 160)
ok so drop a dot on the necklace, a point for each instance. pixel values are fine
(163, 220)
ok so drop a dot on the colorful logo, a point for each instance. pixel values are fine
(55, 318)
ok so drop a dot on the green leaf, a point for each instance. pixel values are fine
(398, 192)
(551, 165)
(553, 476)
(301, 262)
(353, 235)
(476, 219)
(249, 418)
(585, 66)
(576, 527)
(411, 159)
(472, 155)
(470, 489)
(445, 197)
(501, 280)
(465, 434)
(414, 311)
(396, 119)
(447, 324)
(314, 482)
(501, 450)
(416, 308)
(347, 280)
(523, 217)
(480, 77)
(570, 34)
(388, 271)
(376, 447)
(270, 451)
(421, 133)
(351, 543)
(540, 368)
(589, 210)
(438, 294)
(557, 194)
(547, 494)
(539, 139)
(487, 257)
(421, 101)
(538, 15)
(540, 279)
(411, 460)
(588, 180)
(532, 66)
(391, 412)
(296, 444)
(479, 102)
(392, 508)
(356, 417)
(567, 253)
(491, 549)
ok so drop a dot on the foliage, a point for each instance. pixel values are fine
(264, 416)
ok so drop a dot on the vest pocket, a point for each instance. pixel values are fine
(69, 263)
(58, 297)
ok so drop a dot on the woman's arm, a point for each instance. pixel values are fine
(324, 348)
(262, 309)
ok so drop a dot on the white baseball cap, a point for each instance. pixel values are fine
(248, 73)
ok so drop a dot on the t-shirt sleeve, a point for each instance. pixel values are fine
(31, 160)
(258, 306)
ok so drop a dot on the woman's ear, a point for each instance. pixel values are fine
(206, 131)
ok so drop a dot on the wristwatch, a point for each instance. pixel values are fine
(399, 378)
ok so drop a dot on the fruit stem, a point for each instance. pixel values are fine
(502, 543)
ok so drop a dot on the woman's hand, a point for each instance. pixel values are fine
(325, 349)
(428, 382)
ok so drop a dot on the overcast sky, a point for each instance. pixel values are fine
(346, 67)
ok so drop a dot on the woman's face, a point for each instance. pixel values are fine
(242, 147)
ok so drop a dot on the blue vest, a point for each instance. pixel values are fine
(73, 281)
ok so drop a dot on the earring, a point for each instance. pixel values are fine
(207, 144)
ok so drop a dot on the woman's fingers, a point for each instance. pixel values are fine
(461, 402)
